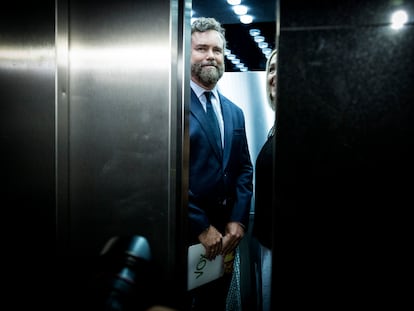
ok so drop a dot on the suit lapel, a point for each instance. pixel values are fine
(199, 113)
(228, 129)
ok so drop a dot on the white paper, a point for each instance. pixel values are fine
(200, 269)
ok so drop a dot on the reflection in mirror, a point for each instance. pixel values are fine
(249, 76)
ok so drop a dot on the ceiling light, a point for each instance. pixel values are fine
(233, 2)
(259, 39)
(266, 51)
(263, 45)
(398, 19)
(236, 61)
(231, 56)
(240, 9)
(246, 19)
(254, 32)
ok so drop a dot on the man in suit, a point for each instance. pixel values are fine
(221, 172)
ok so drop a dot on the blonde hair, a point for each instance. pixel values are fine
(271, 102)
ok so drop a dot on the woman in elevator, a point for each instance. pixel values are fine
(264, 191)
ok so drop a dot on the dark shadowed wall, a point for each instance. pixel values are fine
(344, 154)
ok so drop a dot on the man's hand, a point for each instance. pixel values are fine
(234, 233)
(211, 239)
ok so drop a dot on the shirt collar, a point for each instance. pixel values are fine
(200, 91)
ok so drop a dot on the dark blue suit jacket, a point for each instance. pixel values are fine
(217, 177)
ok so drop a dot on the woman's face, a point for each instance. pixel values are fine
(271, 78)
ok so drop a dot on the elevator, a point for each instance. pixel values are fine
(94, 108)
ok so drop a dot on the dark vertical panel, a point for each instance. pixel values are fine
(27, 72)
(344, 155)
(27, 77)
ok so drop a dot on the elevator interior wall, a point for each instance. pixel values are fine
(92, 104)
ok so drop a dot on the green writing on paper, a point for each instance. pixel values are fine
(200, 266)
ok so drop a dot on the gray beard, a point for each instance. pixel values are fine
(207, 76)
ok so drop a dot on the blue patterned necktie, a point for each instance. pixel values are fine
(212, 118)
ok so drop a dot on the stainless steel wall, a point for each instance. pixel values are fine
(119, 95)
(121, 103)
(93, 106)
(27, 97)
(93, 99)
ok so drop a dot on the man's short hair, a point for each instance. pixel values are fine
(203, 24)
